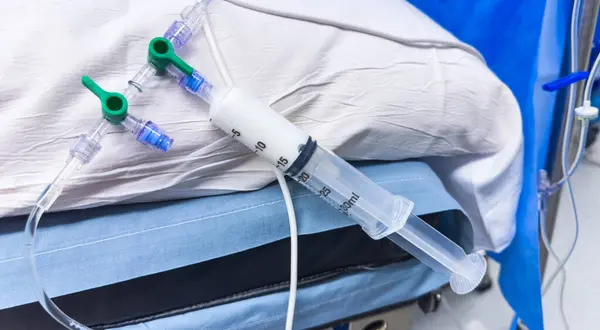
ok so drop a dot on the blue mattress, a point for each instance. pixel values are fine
(316, 305)
(86, 249)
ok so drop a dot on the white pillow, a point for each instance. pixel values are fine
(390, 85)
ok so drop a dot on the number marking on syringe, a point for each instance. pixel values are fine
(282, 162)
(347, 205)
(235, 133)
(325, 191)
(260, 146)
(304, 177)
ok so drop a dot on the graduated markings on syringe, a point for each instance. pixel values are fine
(347, 205)
(304, 177)
(325, 191)
(282, 162)
(261, 146)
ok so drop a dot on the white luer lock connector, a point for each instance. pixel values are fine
(586, 111)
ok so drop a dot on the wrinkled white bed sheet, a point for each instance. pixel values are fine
(370, 80)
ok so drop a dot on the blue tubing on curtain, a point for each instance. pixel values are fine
(491, 27)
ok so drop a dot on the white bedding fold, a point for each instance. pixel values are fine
(370, 80)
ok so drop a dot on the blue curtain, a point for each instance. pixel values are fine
(508, 35)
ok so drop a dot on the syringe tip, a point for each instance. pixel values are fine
(475, 266)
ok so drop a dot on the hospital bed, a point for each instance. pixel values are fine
(172, 243)
(222, 261)
(179, 252)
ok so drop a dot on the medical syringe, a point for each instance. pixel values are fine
(271, 136)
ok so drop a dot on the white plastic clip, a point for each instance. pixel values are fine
(586, 111)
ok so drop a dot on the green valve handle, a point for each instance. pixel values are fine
(161, 54)
(114, 105)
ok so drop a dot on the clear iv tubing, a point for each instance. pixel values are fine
(573, 66)
(571, 100)
(43, 298)
(566, 169)
(582, 138)
(578, 156)
(289, 204)
(587, 95)
(179, 32)
(52, 192)
(590, 81)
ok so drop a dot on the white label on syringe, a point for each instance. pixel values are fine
(259, 127)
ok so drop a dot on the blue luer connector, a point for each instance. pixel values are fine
(196, 84)
(192, 82)
(154, 137)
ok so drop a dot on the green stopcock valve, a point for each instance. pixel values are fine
(161, 54)
(114, 105)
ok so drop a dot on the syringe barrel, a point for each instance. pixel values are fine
(270, 135)
(256, 125)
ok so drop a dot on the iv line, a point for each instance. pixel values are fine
(569, 170)
(89, 145)
(289, 204)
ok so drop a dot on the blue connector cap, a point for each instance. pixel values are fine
(154, 137)
(192, 82)
(565, 81)
(196, 84)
